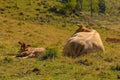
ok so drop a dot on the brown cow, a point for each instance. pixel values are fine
(27, 51)
(83, 41)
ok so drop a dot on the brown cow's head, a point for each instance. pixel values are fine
(23, 46)
(82, 28)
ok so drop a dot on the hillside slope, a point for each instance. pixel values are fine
(18, 23)
(34, 34)
(94, 66)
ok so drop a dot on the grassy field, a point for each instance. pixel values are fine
(18, 23)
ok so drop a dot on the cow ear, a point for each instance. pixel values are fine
(20, 43)
(28, 45)
(82, 26)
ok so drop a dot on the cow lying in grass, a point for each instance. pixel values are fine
(27, 52)
(83, 41)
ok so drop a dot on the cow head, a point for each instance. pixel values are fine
(82, 28)
(23, 46)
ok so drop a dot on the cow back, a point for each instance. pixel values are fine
(83, 42)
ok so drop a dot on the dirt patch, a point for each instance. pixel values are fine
(113, 39)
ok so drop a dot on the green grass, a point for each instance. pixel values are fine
(53, 35)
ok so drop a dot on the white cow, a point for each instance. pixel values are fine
(83, 42)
